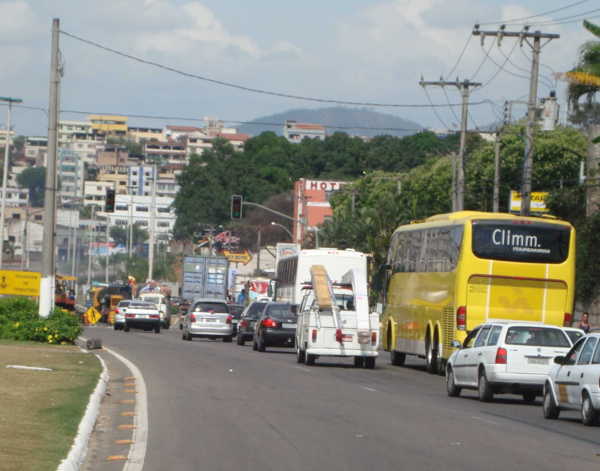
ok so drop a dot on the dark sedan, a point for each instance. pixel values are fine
(247, 321)
(236, 312)
(276, 327)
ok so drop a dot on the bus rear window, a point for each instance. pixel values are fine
(518, 242)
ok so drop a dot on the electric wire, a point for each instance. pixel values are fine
(547, 82)
(244, 87)
(435, 111)
(500, 69)
(555, 21)
(464, 49)
(485, 58)
(515, 20)
(451, 108)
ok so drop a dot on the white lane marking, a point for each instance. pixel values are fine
(137, 452)
(367, 388)
(487, 421)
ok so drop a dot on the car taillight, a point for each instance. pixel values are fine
(461, 318)
(339, 337)
(117, 311)
(314, 335)
(268, 322)
(567, 319)
(373, 338)
(154, 316)
(501, 356)
(229, 319)
(192, 318)
(244, 323)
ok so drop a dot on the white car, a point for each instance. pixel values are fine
(506, 357)
(120, 311)
(574, 381)
(209, 318)
(574, 334)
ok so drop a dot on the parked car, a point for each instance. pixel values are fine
(142, 315)
(276, 327)
(208, 318)
(120, 311)
(505, 357)
(236, 311)
(573, 382)
(247, 321)
(574, 334)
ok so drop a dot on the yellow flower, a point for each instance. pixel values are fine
(17, 324)
(45, 329)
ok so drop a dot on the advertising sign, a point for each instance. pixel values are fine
(20, 283)
(538, 201)
(285, 249)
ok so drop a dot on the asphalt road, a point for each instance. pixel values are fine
(217, 406)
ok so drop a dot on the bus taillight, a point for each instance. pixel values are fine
(461, 318)
(568, 317)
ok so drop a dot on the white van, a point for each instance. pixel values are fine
(162, 303)
(334, 321)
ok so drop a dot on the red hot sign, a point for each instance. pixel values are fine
(322, 185)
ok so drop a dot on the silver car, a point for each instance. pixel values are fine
(208, 318)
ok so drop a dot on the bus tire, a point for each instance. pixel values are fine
(431, 356)
(397, 358)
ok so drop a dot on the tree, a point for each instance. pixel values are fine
(120, 234)
(34, 178)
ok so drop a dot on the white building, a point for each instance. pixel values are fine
(295, 132)
(36, 149)
(3, 134)
(94, 193)
(71, 175)
(140, 179)
(136, 209)
(16, 197)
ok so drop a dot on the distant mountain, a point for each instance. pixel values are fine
(353, 121)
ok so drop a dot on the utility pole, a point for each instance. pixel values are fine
(46, 303)
(7, 143)
(496, 203)
(152, 224)
(536, 46)
(107, 250)
(458, 175)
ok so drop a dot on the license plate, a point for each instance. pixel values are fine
(209, 320)
(289, 326)
(142, 316)
(537, 361)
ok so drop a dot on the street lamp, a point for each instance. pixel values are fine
(273, 223)
(10, 101)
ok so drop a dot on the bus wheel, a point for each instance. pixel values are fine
(431, 355)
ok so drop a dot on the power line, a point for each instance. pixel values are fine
(437, 115)
(451, 109)
(544, 80)
(246, 88)
(515, 20)
(460, 56)
(576, 17)
(500, 67)
(485, 58)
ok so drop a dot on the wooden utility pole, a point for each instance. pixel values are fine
(458, 174)
(536, 46)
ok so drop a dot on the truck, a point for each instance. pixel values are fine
(205, 277)
(334, 319)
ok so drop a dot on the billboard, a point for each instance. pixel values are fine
(538, 202)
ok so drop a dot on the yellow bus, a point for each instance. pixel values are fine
(451, 272)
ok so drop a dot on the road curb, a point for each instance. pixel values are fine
(78, 450)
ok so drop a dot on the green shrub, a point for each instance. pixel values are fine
(19, 320)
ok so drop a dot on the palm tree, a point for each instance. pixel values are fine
(584, 79)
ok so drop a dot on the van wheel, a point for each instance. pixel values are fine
(359, 362)
(551, 410)
(157, 329)
(370, 363)
(529, 397)
(397, 358)
(309, 359)
(451, 388)
(300, 354)
(485, 390)
(589, 416)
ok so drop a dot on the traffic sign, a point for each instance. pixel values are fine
(20, 283)
(242, 256)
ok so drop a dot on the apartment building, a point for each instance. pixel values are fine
(108, 125)
(3, 135)
(141, 134)
(295, 132)
(117, 175)
(94, 193)
(140, 179)
(36, 150)
(170, 153)
(113, 156)
(16, 197)
(71, 175)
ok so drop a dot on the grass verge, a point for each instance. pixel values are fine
(40, 411)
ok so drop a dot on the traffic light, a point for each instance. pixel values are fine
(109, 202)
(237, 201)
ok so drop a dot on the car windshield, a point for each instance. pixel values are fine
(254, 310)
(280, 311)
(536, 336)
(220, 308)
(152, 299)
(574, 335)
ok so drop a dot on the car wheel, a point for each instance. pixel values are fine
(180, 326)
(254, 346)
(451, 388)
(484, 388)
(309, 359)
(261, 346)
(183, 336)
(397, 358)
(551, 410)
(370, 363)
(240, 339)
(300, 354)
(167, 324)
(116, 327)
(359, 362)
(126, 328)
(157, 329)
(589, 416)
(431, 358)
(529, 396)
(227, 339)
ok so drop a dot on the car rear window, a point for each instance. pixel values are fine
(537, 337)
(574, 335)
(280, 311)
(236, 310)
(152, 299)
(143, 305)
(219, 308)
(254, 310)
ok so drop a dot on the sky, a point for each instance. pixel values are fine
(366, 51)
